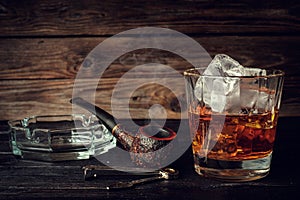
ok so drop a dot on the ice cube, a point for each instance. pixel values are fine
(223, 65)
(254, 72)
(265, 101)
(220, 88)
(218, 97)
(254, 92)
(225, 95)
(249, 98)
(256, 101)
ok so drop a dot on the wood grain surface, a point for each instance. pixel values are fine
(43, 44)
(92, 17)
(61, 58)
(26, 179)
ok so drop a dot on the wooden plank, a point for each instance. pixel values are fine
(51, 58)
(35, 180)
(50, 18)
(23, 98)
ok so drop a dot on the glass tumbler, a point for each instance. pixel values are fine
(233, 123)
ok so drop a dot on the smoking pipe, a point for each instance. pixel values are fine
(143, 142)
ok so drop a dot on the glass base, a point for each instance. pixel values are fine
(67, 155)
(233, 171)
(52, 157)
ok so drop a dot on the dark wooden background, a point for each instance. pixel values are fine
(43, 43)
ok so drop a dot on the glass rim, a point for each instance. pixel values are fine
(13, 124)
(191, 72)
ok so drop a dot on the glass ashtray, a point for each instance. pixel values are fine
(59, 137)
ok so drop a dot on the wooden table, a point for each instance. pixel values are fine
(22, 179)
(43, 44)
